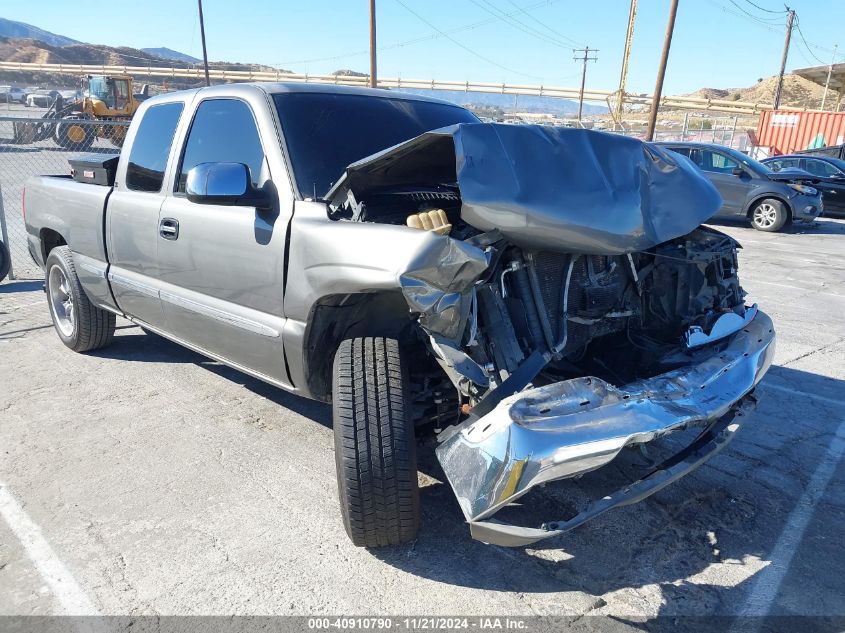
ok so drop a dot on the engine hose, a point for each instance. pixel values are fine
(565, 317)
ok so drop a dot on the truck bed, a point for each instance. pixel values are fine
(59, 208)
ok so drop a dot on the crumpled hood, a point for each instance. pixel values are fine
(564, 189)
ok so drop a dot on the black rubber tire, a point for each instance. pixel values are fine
(5, 260)
(93, 327)
(375, 448)
(62, 134)
(777, 208)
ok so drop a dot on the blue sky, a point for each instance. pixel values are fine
(716, 43)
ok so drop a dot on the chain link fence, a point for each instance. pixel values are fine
(31, 146)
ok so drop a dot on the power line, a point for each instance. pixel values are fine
(806, 45)
(810, 45)
(756, 17)
(417, 40)
(757, 6)
(461, 45)
(524, 11)
(745, 16)
(517, 24)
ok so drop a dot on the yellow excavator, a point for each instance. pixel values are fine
(108, 99)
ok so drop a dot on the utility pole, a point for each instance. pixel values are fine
(661, 71)
(829, 71)
(204, 52)
(373, 77)
(626, 56)
(586, 58)
(789, 18)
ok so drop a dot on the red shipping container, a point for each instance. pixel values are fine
(787, 131)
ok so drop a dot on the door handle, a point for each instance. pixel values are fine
(168, 228)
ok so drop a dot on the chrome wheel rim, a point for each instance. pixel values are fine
(61, 301)
(765, 215)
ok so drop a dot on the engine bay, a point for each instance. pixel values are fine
(619, 317)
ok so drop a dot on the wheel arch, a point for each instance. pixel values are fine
(763, 196)
(336, 317)
(50, 239)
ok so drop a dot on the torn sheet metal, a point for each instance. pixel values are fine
(564, 189)
(571, 427)
(708, 444)
(438, 282)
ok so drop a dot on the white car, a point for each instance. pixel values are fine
(10, 94)
(41, 98)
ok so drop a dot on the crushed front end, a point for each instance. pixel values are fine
(639, 346)
(586, 310)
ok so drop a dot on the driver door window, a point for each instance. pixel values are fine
(223, 131)
(717, 163)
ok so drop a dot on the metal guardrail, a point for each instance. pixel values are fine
(197, 73)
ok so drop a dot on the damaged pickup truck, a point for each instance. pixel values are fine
(536, 298)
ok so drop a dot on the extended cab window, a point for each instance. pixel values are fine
(151, 147)
(223, 131)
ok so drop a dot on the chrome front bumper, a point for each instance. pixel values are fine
(578, 425)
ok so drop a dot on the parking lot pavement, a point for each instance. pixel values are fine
(144, 479)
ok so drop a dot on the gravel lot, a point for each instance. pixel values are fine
(150, 480)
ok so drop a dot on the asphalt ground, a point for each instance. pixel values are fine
(146, 479)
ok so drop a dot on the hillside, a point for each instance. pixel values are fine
(169, 53)
(797, 92)
(10, 28)
(34, 51)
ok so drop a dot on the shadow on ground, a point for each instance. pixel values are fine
(730, 512)
(11, 287)
(822, 226)
(138, 346)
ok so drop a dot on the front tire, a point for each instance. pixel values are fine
(75, 133)
(375, 448)
(81, 325)
(769, 215)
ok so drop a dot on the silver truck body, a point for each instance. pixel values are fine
(272, 291)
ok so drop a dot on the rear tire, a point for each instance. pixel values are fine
(81, 325)
(769, 215)
(375, 448)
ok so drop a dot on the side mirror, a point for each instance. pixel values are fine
(226, 184)
(738, 171)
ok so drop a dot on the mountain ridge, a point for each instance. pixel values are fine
(168, 53)
(11, 28)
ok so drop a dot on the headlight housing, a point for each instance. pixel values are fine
(806, 190)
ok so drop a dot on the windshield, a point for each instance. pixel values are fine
(326, 132)
(97, 88)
